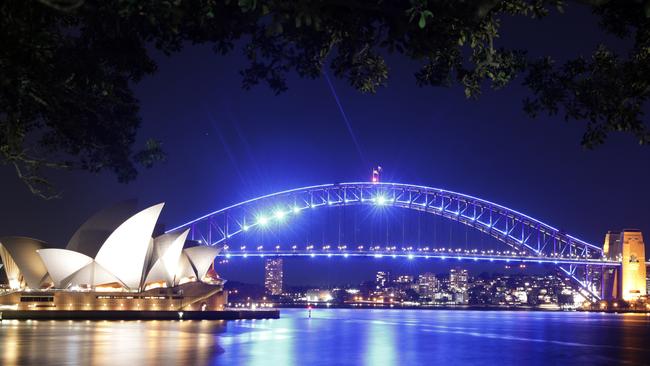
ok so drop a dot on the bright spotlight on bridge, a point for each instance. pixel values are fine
(296, 209)
(279, 214)
(262, 220)
(380, 200)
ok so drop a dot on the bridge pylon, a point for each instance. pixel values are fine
(628, 281)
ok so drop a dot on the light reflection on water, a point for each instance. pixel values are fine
(337, 336)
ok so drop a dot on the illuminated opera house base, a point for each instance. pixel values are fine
(112, 264)
(189, 301)
(192, 296)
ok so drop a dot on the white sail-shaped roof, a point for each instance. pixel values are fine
(167, 252)
(124, 252)
(21, 260)
(61, 263)
(128, 256)
(92, 275)
(184, 269)
(10, 267)
(157, 274)
(201, 258)
(90, 236)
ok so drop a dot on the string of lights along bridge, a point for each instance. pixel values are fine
(393, 220)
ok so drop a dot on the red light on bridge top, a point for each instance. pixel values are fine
(376, 173)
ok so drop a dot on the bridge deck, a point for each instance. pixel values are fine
(414, 255)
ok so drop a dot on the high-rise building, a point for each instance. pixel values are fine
(458, 279)
(382, 279)
(273, 276)
(428, 284)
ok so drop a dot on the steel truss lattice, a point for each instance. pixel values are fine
(516, 230)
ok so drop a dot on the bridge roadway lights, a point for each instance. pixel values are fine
(295, 253)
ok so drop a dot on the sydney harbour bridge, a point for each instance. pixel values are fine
(239, 230)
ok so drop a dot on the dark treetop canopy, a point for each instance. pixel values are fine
(68, 66)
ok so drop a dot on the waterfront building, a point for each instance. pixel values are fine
(317, 295)
(273, 276)
(110, 264)
(458, 285)
(382, 279)
(458, 279)
(443, 297)
(521, 296)
(428, 285)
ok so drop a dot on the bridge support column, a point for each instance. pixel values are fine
(627, 282)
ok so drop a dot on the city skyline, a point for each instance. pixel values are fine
(457, 287)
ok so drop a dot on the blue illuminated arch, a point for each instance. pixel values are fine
(511, 227)
(508, 226)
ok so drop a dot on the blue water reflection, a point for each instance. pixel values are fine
(338, 336)
(411, 337)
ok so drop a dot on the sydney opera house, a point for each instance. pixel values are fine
(112, 262)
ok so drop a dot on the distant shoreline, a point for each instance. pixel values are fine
(456, 307)
(428, 307)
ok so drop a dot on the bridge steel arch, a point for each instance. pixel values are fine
(513, 228)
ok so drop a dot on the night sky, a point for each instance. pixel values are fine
(226, 144)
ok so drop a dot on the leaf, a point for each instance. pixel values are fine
(247, 5)
(423, 21)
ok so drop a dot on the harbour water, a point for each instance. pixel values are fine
(338, 337)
